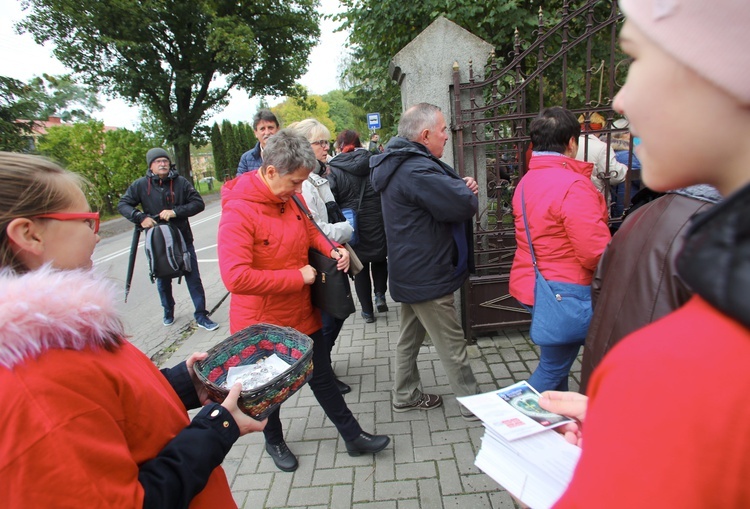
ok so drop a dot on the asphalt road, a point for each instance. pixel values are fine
(143, 312)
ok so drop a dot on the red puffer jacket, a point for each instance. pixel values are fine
(567, 219)
(263, 242)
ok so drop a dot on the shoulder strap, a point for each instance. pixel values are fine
(310, 217)
(526, 226)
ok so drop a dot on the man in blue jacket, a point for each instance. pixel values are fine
(265, 125)
(427, 210)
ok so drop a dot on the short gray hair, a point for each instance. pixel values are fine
(288, 151)
(416, 119)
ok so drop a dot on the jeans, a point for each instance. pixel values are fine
(554, 365)
(362, 283)
(328, 395)
(193, 282)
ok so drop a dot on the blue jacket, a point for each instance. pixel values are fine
(427, 210)
(250, 160)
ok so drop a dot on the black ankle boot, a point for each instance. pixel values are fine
(342, 387)
(282, 457)
(366, 443)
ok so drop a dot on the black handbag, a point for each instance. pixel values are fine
(331, 291)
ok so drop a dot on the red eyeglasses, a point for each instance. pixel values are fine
(90, 218)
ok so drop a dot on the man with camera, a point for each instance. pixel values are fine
(164, 195)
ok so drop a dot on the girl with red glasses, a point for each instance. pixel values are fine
(88, 418)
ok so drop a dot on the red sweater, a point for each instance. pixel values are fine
(667, 422)
(263, 243)
(567, 219)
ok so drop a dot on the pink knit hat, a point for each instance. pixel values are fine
(712, 37)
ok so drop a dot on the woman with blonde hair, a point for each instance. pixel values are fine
(326, 213)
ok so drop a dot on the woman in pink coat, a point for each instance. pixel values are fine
(263, 243)
(567, 220)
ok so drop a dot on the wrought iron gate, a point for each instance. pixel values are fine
(573, 62)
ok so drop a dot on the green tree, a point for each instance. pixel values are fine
(247, 138)
(231, 147)
(109, 160)
(345, 114)
(294, 109)
(378, 29)
(42, 97)
(63, 97)
(14, 105)
(220, 157)
(180, 58)
(238, 145)
(123, 161)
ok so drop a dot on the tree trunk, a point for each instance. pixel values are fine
(182, 156)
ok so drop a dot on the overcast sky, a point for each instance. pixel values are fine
(21, 58)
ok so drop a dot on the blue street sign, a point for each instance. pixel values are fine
(373, 120)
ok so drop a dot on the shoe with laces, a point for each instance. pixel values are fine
(369, 317)
(168, 317)
(205, 322)
(425, 402)
(282, 457)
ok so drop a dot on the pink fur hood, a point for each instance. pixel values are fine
(46, 309)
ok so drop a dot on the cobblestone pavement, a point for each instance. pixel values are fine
(430, 462)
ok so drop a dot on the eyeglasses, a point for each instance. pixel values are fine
(322, 143)
(90, 218)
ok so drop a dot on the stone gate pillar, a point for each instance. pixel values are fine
(424, 69)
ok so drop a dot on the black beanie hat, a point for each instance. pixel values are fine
(156, 153)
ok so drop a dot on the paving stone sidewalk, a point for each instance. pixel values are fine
(430, 462)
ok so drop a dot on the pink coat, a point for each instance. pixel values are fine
(262, 244)
(567, 219)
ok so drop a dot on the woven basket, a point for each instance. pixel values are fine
(249, 346)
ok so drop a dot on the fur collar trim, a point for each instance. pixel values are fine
(47, 309)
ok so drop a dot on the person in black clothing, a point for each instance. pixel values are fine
(350, 183)
(164, 195)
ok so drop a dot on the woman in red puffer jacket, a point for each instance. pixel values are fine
(263, 242)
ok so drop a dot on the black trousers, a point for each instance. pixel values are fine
(362, 282)
(325, 391)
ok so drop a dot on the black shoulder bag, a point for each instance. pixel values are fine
(331, 291)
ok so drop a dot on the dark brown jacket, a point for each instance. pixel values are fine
(636, 281)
